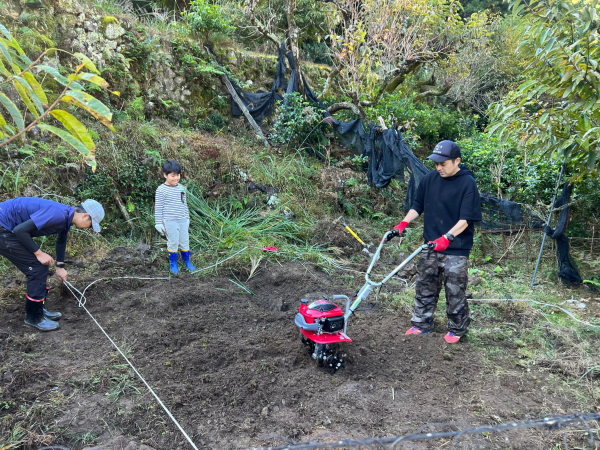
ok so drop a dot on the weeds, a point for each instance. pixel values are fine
(220, 228)
(122, 384)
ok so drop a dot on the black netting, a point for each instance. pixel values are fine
(390, 157)
(568, 272)
(261, 106)
(503, 215)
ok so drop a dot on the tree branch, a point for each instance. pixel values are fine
(36, 121)
(327, 86)
(262, 29)
(31, 66)
(347, 105)
(394, 79)
(238, 101)
(435, 92)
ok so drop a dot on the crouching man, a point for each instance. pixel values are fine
(23, 218)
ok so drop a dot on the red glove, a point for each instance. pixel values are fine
(441, 244)
(400, 227)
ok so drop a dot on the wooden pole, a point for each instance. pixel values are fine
(238, 101)
(592, 243)
(483, 249)
(236, 98)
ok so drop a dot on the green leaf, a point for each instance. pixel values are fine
(22, 54)
(87, 62)
(95, 79)
(31, 93)
(37, 88)
(13, 111)
(75, 127)
(3, 70)
(6, 53)
(2, 121)
(5, 32)
(67, 137)
(58, 77)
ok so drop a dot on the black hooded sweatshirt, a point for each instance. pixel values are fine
(445, 201)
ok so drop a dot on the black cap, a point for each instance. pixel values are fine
(445, 150)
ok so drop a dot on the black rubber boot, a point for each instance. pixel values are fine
(34, 316)
(49, 314)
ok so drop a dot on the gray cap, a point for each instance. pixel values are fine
(96, 212)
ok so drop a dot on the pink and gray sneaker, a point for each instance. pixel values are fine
(415, 330)
(451, 338)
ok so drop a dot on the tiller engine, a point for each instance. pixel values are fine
(323, 324)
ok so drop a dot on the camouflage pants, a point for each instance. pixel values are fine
(452, 271)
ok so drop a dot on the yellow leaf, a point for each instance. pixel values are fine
(37, 88)
(25, 98)
(75, 127)
(87, 62)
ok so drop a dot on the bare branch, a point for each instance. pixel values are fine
(327, 86)
(261, 27)
(347, 105)
(435, 92)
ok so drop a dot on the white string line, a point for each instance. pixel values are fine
(110, 278)
(82, 304)
(533, 301)
(340, 267)
(220, 262)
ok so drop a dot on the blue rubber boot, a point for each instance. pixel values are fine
(186, 259)
(173, 260)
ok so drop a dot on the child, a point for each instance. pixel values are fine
(171, 215)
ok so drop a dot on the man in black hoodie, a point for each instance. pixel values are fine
(450, 200)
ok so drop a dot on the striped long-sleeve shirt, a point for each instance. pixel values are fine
(170, 204)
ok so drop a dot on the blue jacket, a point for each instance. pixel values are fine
(49, 217)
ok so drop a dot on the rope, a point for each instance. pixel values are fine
(82, 305)
(107, 278)
(536, 302)
(220, 262)
(340, 267)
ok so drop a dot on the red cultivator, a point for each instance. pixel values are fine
(323, 324)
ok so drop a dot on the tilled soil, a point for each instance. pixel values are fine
(231, 368)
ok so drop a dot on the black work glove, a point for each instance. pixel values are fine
(393, 234)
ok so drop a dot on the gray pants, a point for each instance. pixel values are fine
(432, 271)
(178, 237)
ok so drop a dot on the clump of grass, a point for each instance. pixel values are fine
(122, 384)
(221, 228)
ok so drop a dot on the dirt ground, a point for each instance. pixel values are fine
(232, 369)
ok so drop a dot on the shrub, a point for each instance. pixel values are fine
(503, 170)
(317, 52)
(528, 178)
(214, 122)
(298, 125)
(135, 109)
(433, 123)
(205, 18)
